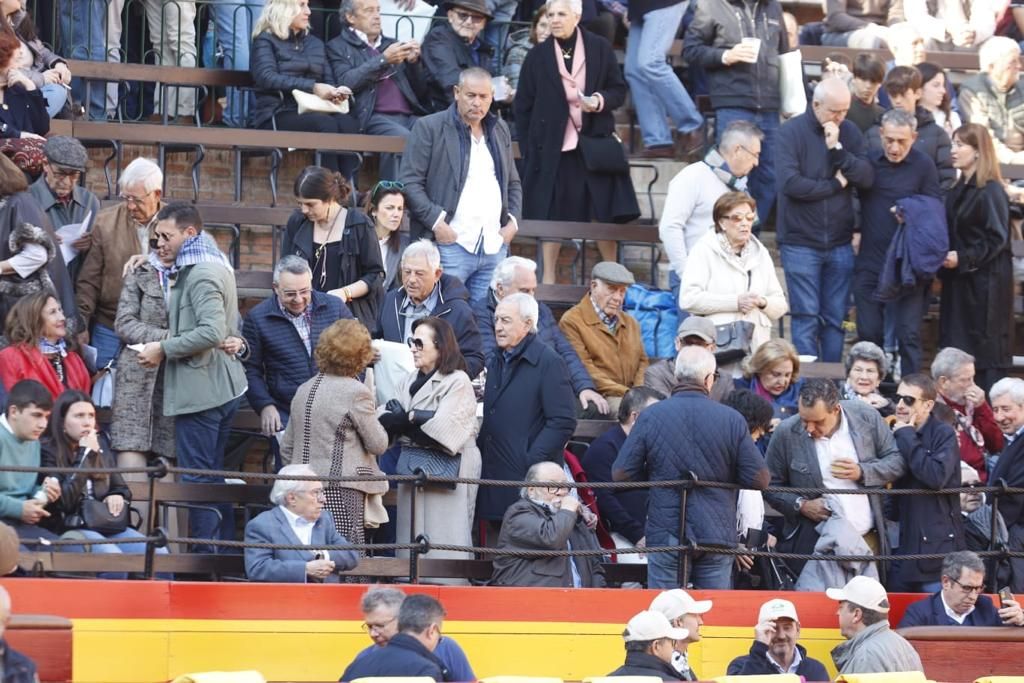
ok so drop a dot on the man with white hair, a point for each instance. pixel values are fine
(518, 274)
(17, 668)
(528, 405)
(685, 433)
(119, 232)
(1008, 403)
(871, 646)
(1007, 398)
(547, 518)
(427, 291)
(298, 518)
(692, 193)
(994, 98)
(776, 648)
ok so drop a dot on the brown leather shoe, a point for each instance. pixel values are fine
(691, 145)
(658, 152)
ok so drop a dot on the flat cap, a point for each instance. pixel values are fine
(697, 326)
(63, 150)
(612, 273)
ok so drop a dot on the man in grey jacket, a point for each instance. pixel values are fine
(871, 646)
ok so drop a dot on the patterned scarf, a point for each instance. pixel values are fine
(717, 164)
(48, 348)
(197, 249)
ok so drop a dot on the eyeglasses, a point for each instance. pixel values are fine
(370, 628)
(467, 18)
(558, 489)
(62, 174)
(741, 217)
(967, 589)
(295, 293)
(908, 400)
(756, 155)
(417, 344)
(135, 201)
(154, 242)
(714, 375)
(385, 185)
(317, 494)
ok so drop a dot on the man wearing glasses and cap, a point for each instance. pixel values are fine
(453, 46)
(695, 330)
(775, 649)
(651, 642)
(871, 646)
(685, 613)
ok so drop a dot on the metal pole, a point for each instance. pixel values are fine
(683, 566)
(993, 579)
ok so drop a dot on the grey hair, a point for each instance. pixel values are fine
(949, 360)
(694, 363)
(828, 86)
(900, 119)
(738, 132)
(282, 487)
(295, 265)
(505, 271)
(817, 389)
(994, 48)
(474, 73)
(346, 8)
(1011, 387)
(381, 597)
(418, 612)
(868, 351)
(527, 307)
(141, 171)
(534, 474)
(575, 5)
(954, 563)
(425, 248)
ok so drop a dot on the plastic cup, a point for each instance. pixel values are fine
(755, 43)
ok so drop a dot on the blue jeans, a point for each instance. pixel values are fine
(56, 96)
(234, 20)
(657, 91)
(675, 284)
(83, 27)
(707, 571)
(200, 439)
(112, 549)
(107, 344)
(761, 181)
(818, 281)
(475, 270)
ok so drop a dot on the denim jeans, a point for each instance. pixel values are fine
(818, 281)
(657, 91)
(904, 314)
(111, 549)
(200, 439)
(234, 20)
(761, 181)
(475, 270)
(83, 28)
(708, 571)
(32, 531)
(106, 342)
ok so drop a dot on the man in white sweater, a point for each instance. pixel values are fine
(693, 192)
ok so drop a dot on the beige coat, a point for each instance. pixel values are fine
(445, 515)
(334, 428)
(616, 362)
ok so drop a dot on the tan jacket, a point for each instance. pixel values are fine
(334, 429)
(616, 362)
(114, 241)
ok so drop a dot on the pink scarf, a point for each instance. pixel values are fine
(574, 84)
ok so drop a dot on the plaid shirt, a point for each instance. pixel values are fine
(301, 322)
(610, 321)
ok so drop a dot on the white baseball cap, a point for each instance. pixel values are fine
(651, 625)
(777, 609)
(677, 602)
(863, 591)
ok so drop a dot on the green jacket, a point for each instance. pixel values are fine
(202, 312)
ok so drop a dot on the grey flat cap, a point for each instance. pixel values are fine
(612, 273)
(67, 152)
(696, 326)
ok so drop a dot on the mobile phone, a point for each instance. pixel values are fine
(1005, 595)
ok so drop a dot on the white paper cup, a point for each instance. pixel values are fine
(756, 43)
(500, 87)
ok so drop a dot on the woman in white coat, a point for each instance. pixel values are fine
(730, 275)
(436, 409)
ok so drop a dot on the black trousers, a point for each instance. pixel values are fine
(313, 122)
(908, 312)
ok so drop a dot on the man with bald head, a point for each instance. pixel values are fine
(822, 158)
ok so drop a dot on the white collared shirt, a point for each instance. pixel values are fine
(855, 509)
(366, 39)
(478, 215)
(797, 658)
(958, 618)
(302, 527)
(5, 424)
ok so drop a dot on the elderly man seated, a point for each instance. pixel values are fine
(960, 601)
(455, 45)
(650, 645)
(547, 518)
(298, 518)
(994, 98)
(607, 339)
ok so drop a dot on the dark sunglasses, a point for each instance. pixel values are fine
(385, 185)
(909, 400)
(417, 344)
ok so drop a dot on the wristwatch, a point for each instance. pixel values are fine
(799, 502)
(839, 145)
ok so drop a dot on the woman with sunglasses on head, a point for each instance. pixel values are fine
(41, 347)
(337, 242)
(436, 409)
(385, 205)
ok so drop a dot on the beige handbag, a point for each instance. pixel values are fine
(374, 514)
(309, 102)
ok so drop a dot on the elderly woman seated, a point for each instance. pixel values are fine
(866, 365)
(298, 518)
(773, 373)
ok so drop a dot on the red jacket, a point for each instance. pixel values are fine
(25, 362)
(984, 435)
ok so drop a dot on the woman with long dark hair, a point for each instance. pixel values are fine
(976, 312)
(385, 205)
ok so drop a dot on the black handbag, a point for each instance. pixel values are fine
(603, 154)
(732, 341)
(414, 459)
(94, 515)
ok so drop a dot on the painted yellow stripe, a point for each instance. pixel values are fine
(144, 650)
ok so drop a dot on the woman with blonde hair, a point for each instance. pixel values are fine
(976, 312)
(334, 428)
(773, 373)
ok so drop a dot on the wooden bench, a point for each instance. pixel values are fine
(46, 640)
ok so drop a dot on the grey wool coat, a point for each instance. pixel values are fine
(445, 515)
(138, 421)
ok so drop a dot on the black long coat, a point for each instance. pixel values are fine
(976, 314)
(541, 112)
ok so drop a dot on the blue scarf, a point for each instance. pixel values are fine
(48, 348)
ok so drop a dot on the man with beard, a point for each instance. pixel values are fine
(775, 649)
